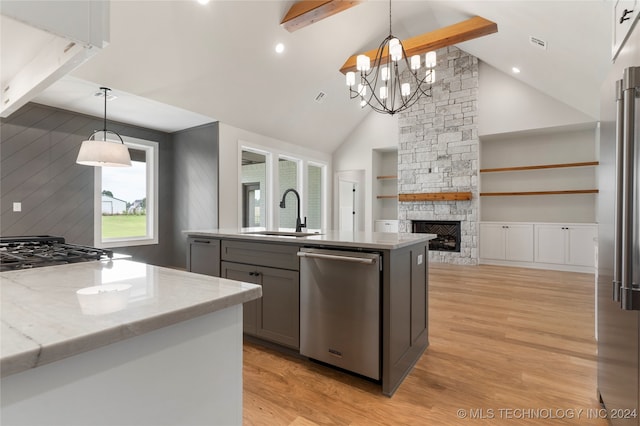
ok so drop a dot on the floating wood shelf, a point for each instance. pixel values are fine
(387, 177)
(386, 196)
(436, 196)
(540, 167)
(508, 194)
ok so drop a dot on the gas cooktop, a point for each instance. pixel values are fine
(44, 250)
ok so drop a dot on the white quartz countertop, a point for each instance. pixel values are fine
(369, 240)
(43, 320)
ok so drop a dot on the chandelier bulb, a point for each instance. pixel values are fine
(405, 89)
(395, 49)
(351, 78)
(415, 62)
(430, 59)
(363, 63)
(384, 73)
(383, 92)
(431, 76)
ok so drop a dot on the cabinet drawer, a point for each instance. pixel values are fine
(263, 254)
(203, 256)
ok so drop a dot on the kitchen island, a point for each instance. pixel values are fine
(271, 259)
(144, 345)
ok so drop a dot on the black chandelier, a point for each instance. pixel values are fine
(387, 87)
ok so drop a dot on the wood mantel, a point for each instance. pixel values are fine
(436, 196)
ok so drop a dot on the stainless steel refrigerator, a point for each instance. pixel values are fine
(618, 295)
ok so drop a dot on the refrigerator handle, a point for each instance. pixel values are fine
(629, 292)
(617, 220)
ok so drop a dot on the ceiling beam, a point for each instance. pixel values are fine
(306, 12)
(457, 33)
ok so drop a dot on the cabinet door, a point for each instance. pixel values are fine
(278, 310)
(248, 274)
(581, 245)
(550, 244)
(203, 256)
(492, 242)
(519, 243)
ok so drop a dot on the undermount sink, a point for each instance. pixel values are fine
(283, 233)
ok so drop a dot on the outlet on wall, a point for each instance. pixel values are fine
(17, 207)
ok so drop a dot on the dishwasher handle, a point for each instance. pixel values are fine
(366, 261)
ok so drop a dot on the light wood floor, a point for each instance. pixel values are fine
(508, 343)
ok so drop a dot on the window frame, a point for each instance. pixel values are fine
(151, 149)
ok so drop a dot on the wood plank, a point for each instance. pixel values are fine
(509, 194)
(436, 196)
(457, 33)
(304, 13)
(500, 338)
(542, 166)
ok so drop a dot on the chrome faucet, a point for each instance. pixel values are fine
(299, 224)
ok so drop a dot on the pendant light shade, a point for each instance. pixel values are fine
(104, 153)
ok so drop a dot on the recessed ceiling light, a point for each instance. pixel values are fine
(515, 70)
(279, 48)
(203, 1)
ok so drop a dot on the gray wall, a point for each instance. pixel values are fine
(38, 149)
(195, 162)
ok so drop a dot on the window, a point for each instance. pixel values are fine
(254, 189)
(126, 198)
(315, 194)
(288, 179)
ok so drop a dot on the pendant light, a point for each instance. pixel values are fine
(104, 153)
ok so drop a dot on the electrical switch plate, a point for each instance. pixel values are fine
(17, 207)
(419, 259)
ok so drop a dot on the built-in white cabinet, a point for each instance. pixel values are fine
(386, 226)
(572, 244)
(506, 241)
(568, 247)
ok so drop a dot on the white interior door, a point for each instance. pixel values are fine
(347, 205)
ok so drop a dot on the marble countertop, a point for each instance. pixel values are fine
(43, 319)
(369, 240)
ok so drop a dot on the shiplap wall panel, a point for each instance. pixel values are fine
(196, 181)
(38, 149)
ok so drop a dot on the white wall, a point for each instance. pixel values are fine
(522, 126)
(374, 132)
(505, 104)
(230, 140)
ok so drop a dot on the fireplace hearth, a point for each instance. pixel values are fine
(447, 231)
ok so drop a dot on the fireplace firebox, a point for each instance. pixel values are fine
(447, 231)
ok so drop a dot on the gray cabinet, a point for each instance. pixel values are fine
(276, 316)
(203, 256)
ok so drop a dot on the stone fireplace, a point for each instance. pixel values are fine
(438, 152)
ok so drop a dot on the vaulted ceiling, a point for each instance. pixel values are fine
(173, 60)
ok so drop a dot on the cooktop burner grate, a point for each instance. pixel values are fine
(36, 251)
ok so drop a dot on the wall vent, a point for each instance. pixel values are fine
(538, 42)
(320, 97)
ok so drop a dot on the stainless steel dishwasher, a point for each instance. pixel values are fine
(340, 309)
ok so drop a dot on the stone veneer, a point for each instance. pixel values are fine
(438, 152)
